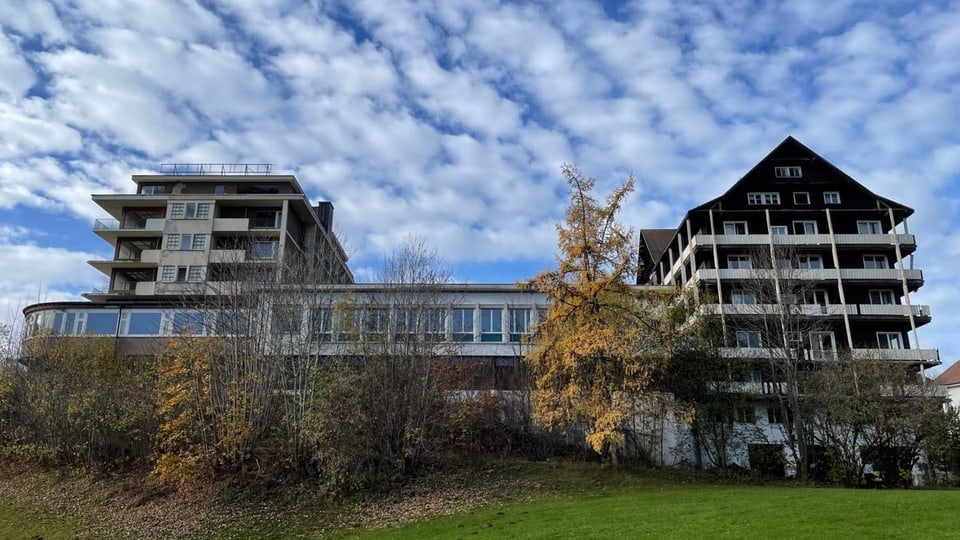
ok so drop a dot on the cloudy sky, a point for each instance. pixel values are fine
(449, 119)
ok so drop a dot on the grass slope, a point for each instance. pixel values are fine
(505, 499)
(708, 512)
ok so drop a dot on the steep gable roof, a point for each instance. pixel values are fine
(656, 240)
(793, 150)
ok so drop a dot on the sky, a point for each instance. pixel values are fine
(450, 119)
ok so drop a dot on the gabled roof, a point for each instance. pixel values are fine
(950, 376)
(656, 241)
(791, 148)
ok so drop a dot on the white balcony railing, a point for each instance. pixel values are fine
(929, 356)
(803, 239)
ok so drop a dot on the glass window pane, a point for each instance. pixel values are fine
(102, 323)
(144, 324)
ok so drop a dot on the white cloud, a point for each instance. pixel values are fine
(450, 119)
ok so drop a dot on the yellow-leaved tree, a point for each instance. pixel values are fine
(603, 337)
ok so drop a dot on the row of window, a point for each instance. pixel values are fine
(325, 324)
(186, 241)
(822, 342)
(189, 210)
(806, 262)
(772, 198)
(748, 415)
(800, 227)
(465, 324)
(182, 274)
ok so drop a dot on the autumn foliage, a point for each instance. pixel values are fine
(603, 338)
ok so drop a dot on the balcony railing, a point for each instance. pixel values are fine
(804, 239)
(150, 224)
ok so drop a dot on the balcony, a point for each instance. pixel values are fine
(925, 356)
(231, 224)
(811, 310)
(891, 310)
(227, 255)
(907, 242)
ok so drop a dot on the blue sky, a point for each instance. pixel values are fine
(449, 119)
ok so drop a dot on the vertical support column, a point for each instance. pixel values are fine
(836, 264)
(670, 252)
(716, 265)
(903, 277)
(683, 263)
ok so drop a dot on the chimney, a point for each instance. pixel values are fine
(324, 210)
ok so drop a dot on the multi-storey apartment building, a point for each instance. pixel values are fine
(195, 227)
(801, 264)
(798, 233)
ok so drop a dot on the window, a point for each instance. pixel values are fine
(734, 227)
(321, 323)
(232, 322)
(746, 415)
(491, 324)
(822, 345)
(804, 227)
(264, 249)
(144, 323)
(779, 230)
(767, 198)
(788, 172)
(816, 297)
(519, 321)
(810, 262)
(801, 197)
(774, 415)
(176, 210)
(889, 340)
(869, 227)
(740, 262)
(743, 297)
(375, 321)
(194, 273)
(102, 323)
(882, 297)
(266, 219)
(831, 197)
(462, 324)
(748, 339)
(878, 262)
(435, 322)
(219, 189)
(186, 241)
(187, 323)
(168, 273)
(287, 318)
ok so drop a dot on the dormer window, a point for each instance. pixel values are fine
(788, 172)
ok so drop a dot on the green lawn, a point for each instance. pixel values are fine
(18, 521)
(506, 499)
(708, 512)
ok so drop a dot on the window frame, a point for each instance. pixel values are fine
(875, 257)
(749, 339)
(461, 325)
(735, 262)
(882, 294)
(831, 197)
(493, 334)
(805, 194)
(804, 223)
(873, 226)
(775, 230)
(790, 171)
(735, 225)
(763, 198)
(887, 341)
